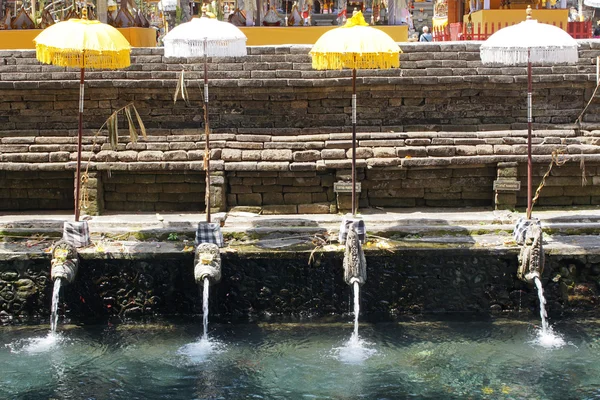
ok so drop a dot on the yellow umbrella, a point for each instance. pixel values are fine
(355, 45)
(81, 43)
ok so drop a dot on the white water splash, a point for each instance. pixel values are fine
(37, 345)
(205, 294)
(545, 336)
(355, 350)
(54, 307)
(199, 352)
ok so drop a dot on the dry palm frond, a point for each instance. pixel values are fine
(181, 88)
(112, 125)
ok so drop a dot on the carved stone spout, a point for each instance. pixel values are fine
(355, 264)
(64, 262)
(207, 263)
(531, 257)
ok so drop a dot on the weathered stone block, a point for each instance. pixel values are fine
(276, 155)
(272, 198)
(309, 155)
(249, 199)
(297, 198)
(251, 155)
(279, 209)
(150, 156)
(231, 155)
(175, 155)
(316, 208)
(272, 166)
(361, 152)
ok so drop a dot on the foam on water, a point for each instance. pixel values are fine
(548, 339)
(354, 351)
(199, 352)
(37, 345)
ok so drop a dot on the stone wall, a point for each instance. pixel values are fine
(160, 191)
(271, 113)
(285, 283)
(36, 190)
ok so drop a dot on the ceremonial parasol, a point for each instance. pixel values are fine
(529, 42)
(355, 45)
(82, 44)
(205, 37)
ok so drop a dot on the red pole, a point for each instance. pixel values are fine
(206, 136)
(354, 202)
(79, 140)
(529, 123)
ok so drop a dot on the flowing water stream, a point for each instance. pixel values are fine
(205, 295)
(54, 309)
(546, 336)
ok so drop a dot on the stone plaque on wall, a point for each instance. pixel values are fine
(507, 185)
(345, 187)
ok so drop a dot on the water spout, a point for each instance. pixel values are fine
(64, 262)
(355, 264)
(207, 270)
(531, 257)
(207, 263)
(63, 268)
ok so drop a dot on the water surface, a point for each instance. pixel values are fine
(301, 360)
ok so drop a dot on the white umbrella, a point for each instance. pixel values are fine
(592, 3)
(529, 42)
(205, 37)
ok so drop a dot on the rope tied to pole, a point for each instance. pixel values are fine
(554, 161)
(84, 199)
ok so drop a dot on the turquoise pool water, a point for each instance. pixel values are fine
(307, 359)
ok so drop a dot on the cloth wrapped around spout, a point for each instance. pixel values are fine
(207, 263)
(64, 262)
(355, 264)
(531, 257)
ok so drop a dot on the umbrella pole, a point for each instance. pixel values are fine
(354, 202)
(529, 123)
(206, 134)
(79, 140)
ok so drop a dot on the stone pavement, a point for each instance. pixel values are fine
(156, 235)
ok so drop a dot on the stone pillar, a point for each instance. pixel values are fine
(94, 191)
(506, 186)
(102, 10)
(218, 191)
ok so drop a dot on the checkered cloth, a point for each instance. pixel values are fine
(209, 232)
(77, 234)
(521, 228)
(359, 225)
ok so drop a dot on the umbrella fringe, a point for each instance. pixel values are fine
(514, 56)
(322, 61)
(91, 59)
(214, 48)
